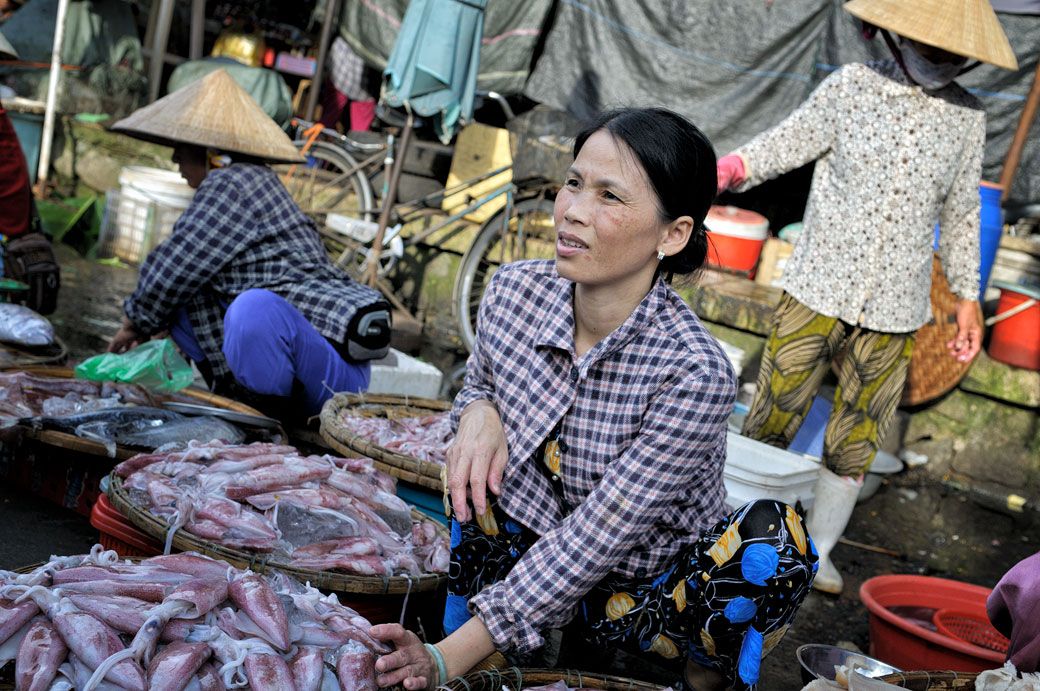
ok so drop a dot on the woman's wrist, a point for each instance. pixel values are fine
(438, 659)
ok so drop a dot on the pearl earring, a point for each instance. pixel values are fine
(660, 255)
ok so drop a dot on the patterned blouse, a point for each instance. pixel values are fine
(891, 160)
(642, 441)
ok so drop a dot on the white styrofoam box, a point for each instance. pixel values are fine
(755, 470)
(735, 355)
(400, 373)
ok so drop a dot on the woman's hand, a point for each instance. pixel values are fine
(126, 338)
(410, 665)
(965, 345)
(476, 458)
(730, 170)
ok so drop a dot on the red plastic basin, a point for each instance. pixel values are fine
(119, 534)
(905, 645)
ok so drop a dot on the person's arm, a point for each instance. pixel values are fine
(477, 456)
(209, 234)
(414, 666)
(676, 449)
(128, 336)
(803, 136)
(959, 245)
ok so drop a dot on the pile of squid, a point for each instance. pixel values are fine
(426, 438)
(181, 621)
(312, 512)
(24, 395)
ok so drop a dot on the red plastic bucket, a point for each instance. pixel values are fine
(735, 238)
(119, 534)
(1016, 338)
(908, 646)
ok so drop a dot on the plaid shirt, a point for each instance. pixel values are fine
(643, 423)
(348, 72)
(242, 230)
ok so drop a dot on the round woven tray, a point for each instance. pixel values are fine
(96, 448)
(261, 563)
(394, 407)
(932, 370)
(932, 681)
(515, 679)
(12, 356)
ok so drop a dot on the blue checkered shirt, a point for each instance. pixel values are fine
(643, 419)
(242, 230)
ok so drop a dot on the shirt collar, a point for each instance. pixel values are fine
(557, 328)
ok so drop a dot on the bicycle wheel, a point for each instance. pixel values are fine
(528, 235)
(325, 183)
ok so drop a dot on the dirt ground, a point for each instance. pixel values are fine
(913, 525)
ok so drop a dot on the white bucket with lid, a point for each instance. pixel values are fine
(142, 212)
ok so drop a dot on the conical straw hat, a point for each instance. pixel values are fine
(214, 112)
(965, 27)
(7, 51)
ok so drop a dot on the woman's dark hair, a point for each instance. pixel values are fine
(680, 164)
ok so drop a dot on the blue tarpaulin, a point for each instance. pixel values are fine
(432, 69)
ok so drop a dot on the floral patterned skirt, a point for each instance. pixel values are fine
(724, 602)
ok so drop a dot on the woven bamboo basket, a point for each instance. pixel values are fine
(515, 679)
(391, 406)
(96, 448)
(262, 563)
(12, 356)
(932, 681)
(932, 371)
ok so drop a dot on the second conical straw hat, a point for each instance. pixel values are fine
(214, 112)
(965, 27)
(7, 51)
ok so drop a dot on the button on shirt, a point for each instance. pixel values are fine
(644, 414)
(891, 160)
(242, 230)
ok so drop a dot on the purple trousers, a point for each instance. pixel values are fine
(272, 349)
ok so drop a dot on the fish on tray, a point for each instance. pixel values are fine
(139, 427)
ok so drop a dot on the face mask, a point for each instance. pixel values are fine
(928, 74)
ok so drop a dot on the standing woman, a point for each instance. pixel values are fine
(595, 411)
(898, 147)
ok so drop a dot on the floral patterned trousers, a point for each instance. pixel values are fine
(870, 383)
(724, 602)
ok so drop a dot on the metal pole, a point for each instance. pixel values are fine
(388, 203)
(162, 38)
(198, 20)
(1018, 142)
(52, 100)
(319, 69)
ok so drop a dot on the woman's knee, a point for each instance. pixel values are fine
(255, 310)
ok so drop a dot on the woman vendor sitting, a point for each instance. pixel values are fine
(598, 422)
(243, 284)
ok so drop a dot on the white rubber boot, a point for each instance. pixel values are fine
(833, 501)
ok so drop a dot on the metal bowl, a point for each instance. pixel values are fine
(818, 662)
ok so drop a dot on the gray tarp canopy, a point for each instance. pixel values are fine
(735, 68)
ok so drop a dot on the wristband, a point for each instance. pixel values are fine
(442, 671)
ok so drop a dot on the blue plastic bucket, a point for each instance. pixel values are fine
(991, 218)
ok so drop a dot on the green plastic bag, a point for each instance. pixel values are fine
(155, 365)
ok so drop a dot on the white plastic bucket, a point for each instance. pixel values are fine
(142, 213)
